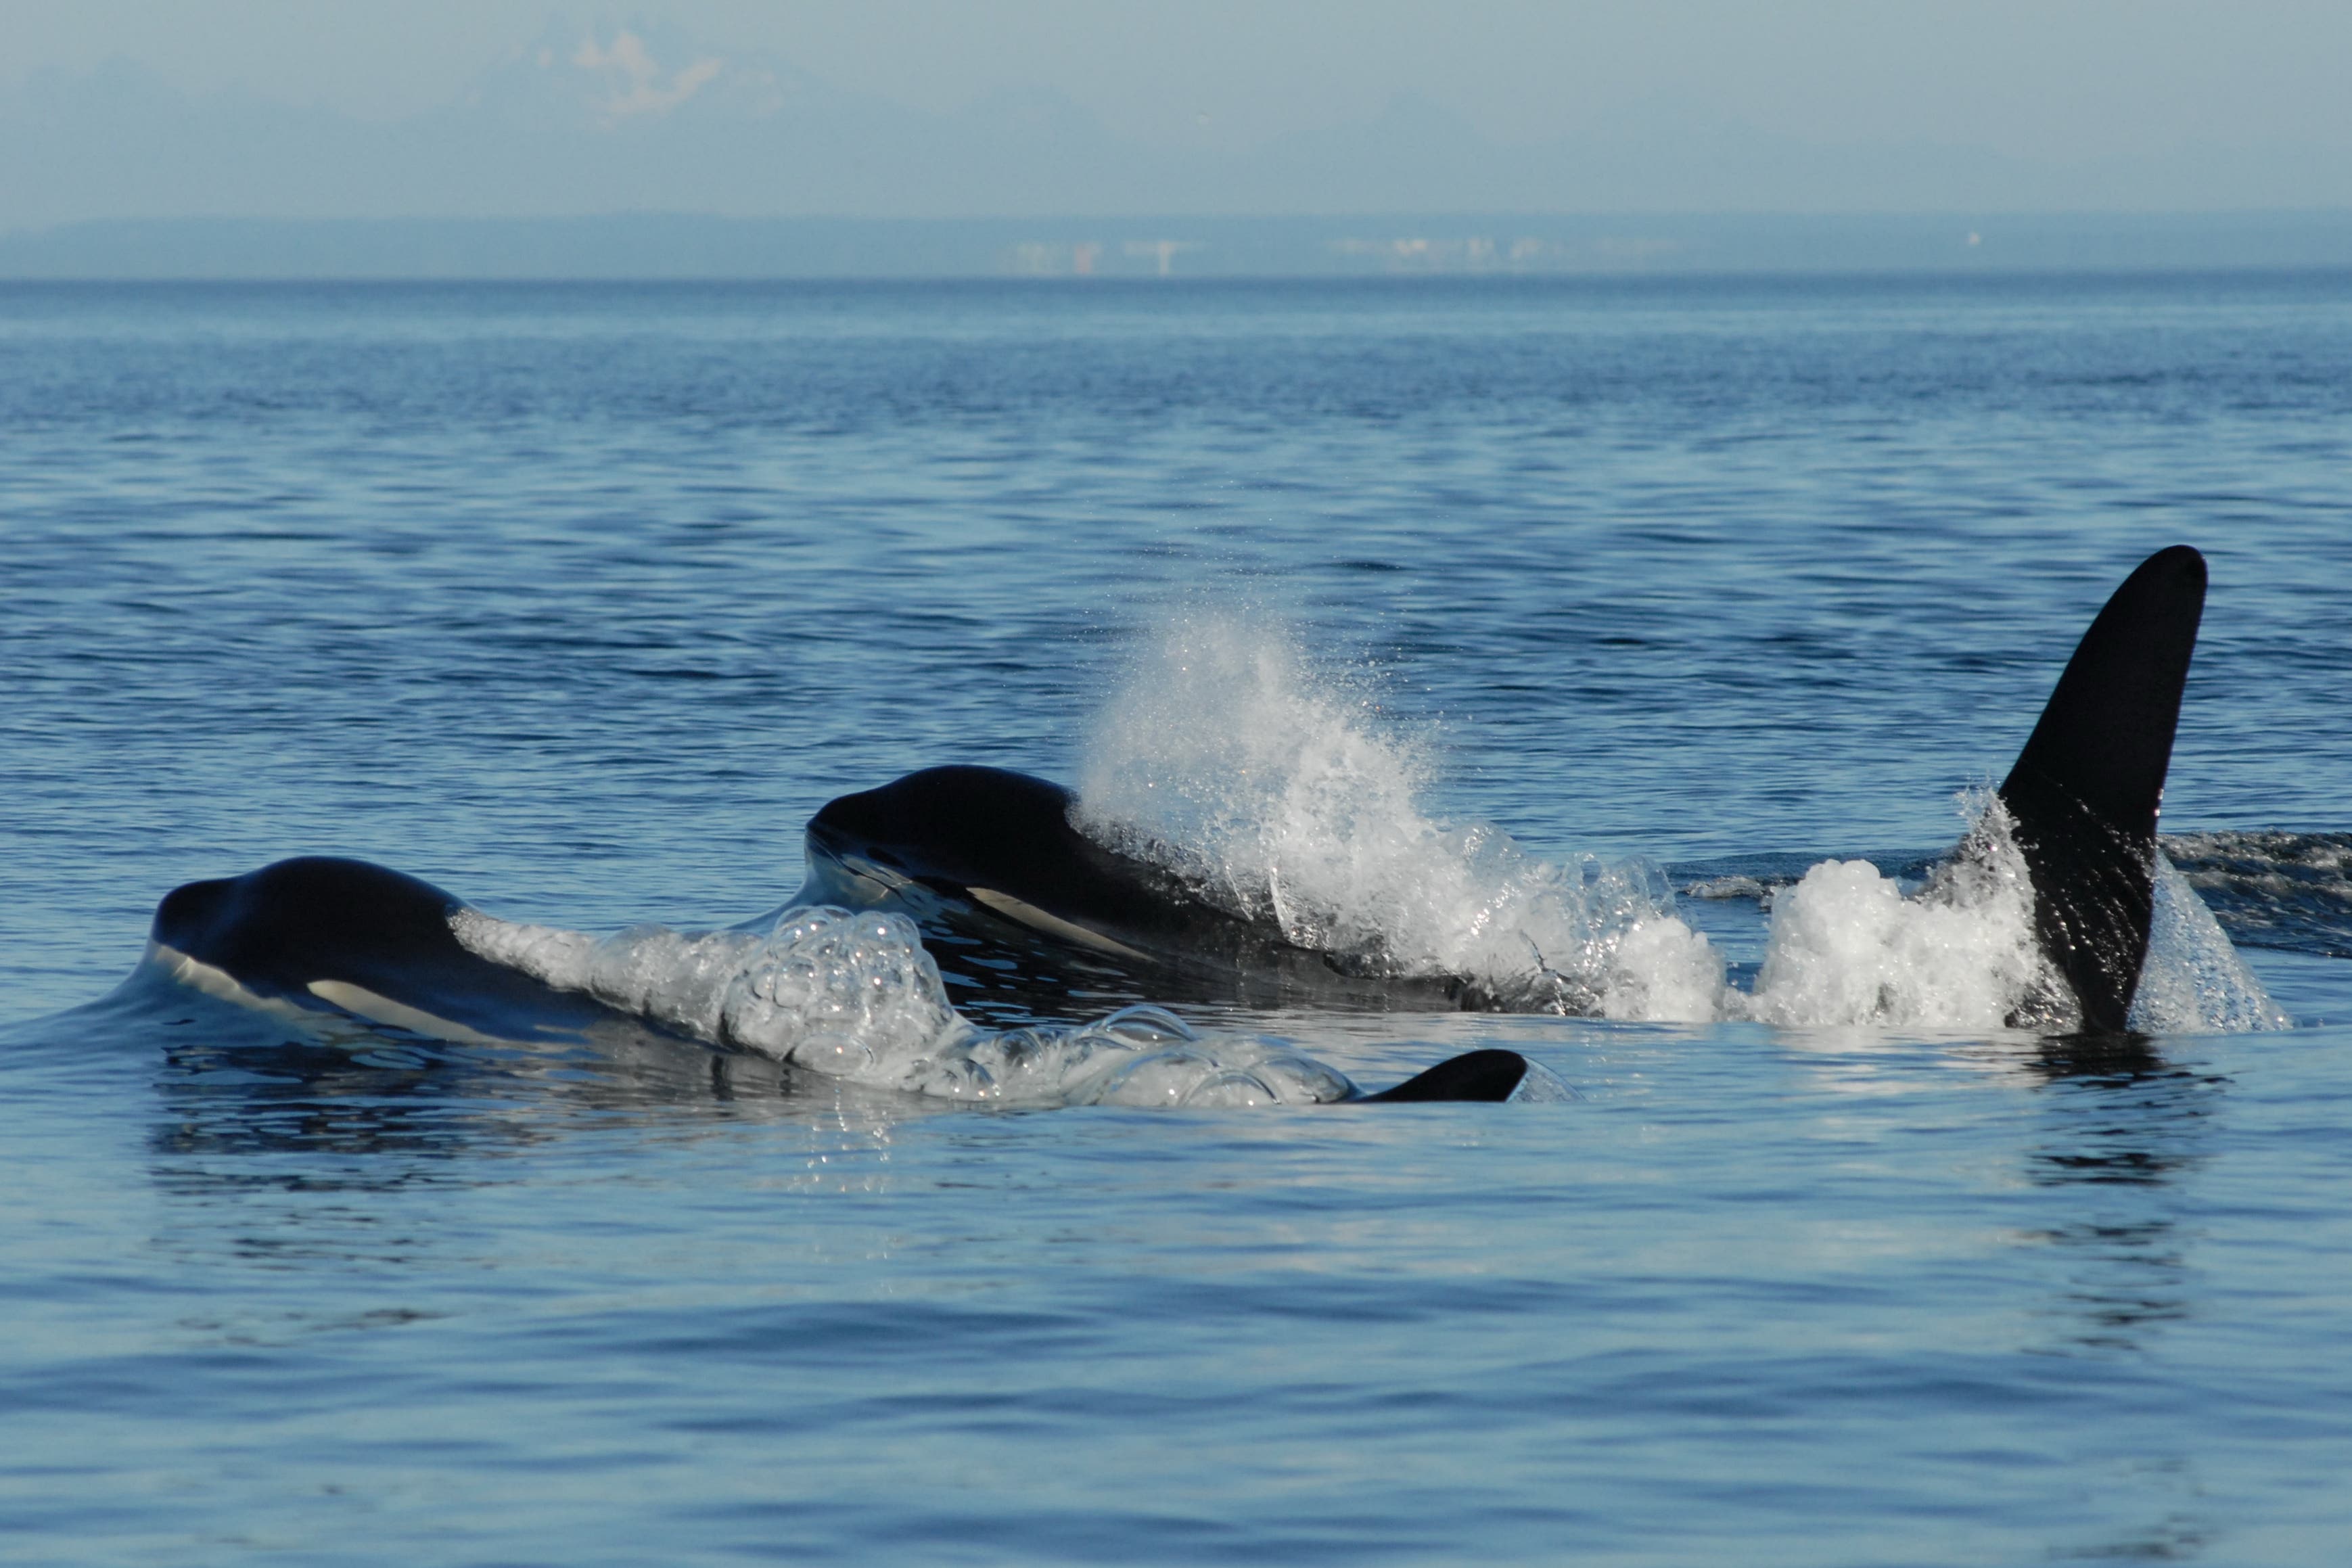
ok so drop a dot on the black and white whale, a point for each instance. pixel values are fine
(319, 934)
(972, 852)
(985, 855)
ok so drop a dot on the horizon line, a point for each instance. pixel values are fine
(1537, 215)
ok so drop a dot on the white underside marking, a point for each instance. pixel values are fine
(219, 982)
(198, 975)
(378, 1009)
(1030, 915)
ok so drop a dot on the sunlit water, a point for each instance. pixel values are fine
(1463, 622)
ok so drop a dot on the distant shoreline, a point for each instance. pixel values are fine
(644, 247)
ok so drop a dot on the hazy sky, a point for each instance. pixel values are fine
(2048, 79)
(919, 108)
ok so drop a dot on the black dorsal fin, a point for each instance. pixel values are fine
(2084, 793)
(1476, 1075)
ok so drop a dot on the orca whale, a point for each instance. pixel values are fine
(990, 865)
(972, 851)
(321, 935)
(984, 854)
(363, 939)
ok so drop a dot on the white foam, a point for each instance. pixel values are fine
(1846, 946)
(856, 997)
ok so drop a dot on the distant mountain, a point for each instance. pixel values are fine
(605, 118)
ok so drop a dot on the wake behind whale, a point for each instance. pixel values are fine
(1265, 846)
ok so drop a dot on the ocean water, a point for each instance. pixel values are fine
(1433, 609)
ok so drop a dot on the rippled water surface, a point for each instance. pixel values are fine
(579, 601)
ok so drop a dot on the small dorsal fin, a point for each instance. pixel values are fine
(2084, 792)
(1476, 1075)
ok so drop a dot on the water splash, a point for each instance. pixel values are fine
(1281, 798)
(2194, 982)
(1848, 946)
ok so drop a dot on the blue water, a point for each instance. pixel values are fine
(578, 600)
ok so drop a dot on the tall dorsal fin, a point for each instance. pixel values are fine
(2084, 794)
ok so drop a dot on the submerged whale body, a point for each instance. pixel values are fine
(974, 849)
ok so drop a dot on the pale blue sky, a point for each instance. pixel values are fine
(2048, 83)
(2043, 79)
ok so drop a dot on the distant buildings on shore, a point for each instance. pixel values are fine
(1354, 253)
(648, 245)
